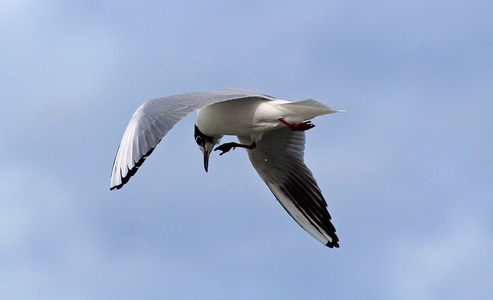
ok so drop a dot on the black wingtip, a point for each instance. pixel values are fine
(132, 171)
(332, 244)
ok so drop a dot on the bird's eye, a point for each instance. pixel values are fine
(198, 139)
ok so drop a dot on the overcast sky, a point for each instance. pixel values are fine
(407, 171)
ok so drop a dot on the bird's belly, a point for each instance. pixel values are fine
(243, 117)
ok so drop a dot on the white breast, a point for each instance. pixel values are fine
(254, 116)
(243, 117)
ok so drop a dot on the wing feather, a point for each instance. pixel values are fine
(278, 159)
(153, 120)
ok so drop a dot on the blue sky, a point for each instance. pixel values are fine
(407, 171)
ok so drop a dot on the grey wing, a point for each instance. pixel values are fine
(278, 159)
(152, 121)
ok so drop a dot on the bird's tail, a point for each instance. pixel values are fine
(309, 109)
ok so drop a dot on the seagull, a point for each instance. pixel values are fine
(270, 129)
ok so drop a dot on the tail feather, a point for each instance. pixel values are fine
(308, 109)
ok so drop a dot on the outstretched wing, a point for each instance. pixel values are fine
(278, 159)
(152, 121)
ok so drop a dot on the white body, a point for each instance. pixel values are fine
(254, 116)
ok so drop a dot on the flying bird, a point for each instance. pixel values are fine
(272, 130)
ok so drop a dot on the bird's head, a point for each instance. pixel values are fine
(206, 144)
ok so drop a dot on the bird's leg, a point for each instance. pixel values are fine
(298, 127)
(227, 146)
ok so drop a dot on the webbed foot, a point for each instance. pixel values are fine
(226, 147)
(298, 127)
